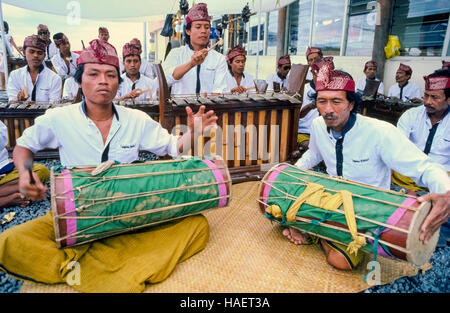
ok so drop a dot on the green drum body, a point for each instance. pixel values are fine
(389, 221)
(89, 203)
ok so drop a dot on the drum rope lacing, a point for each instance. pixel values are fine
(315, 195)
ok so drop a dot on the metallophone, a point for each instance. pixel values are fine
(267, 120)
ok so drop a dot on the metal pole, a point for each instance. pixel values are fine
(311, 23)
(5, 53)
(258, 39)
(145, 41)
(345, 29)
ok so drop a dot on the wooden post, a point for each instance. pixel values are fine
(281, 31)
(385, 10)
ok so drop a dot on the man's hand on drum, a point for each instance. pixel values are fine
(439, 214)
(31, 191)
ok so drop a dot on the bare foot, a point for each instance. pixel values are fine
(15, 199)
(295, 236)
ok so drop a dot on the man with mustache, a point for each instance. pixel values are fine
(405, 90)
(34, 82)
(428, 127)
(201, 71)
(365, 150)
(103, 33)
(89, 133)
(238, 81)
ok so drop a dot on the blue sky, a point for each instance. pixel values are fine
(23, 23)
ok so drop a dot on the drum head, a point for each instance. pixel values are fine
(419, 253)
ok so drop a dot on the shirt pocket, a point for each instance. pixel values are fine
(125, 152)
(208, 78)
(360, 166)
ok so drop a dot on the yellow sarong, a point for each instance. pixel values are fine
(39, 169)
(122, 263)
(302, 137)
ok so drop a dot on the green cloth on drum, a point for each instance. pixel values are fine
(125, 190)
(373, 210)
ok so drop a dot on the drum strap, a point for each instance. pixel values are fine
(315, 195)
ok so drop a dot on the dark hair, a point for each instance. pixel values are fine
(444, 73)
(79, 73)
(132, 55)
(6, 27)
(187, 38)
(349, 95)
(58, 36)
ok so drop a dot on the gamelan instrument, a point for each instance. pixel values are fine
(362, 217)
(90, 203)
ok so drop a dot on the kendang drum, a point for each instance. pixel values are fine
(90, 203)
(363, 217)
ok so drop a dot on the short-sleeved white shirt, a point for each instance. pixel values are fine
(80, 142)
(61, 67)
(70, 89)
(142, 83)
(416, 125)
(371, 148)
(246, 81)
(48, 84)
(410, 91)
(213, 72)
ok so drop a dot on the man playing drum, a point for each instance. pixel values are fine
(370, 150)
(89, 133)
(201, 70)
(34, 82)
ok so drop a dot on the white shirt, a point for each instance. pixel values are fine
(51, 51)
(305, 122)
(70, 89)
(362, 84)
(416, 125)
(275, 78)
(246, 81)
(146, 69)
(9, 48)
(48, 84)
(61, 67)
(142, 83)
(371, 148)
(213, 72)
(80, 142)
(410, 91)
(4, 158)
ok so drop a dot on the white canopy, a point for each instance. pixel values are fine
(139, 10)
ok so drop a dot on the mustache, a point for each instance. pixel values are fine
(329, 116)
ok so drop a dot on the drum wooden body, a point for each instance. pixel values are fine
(88, 205)
(392, 217)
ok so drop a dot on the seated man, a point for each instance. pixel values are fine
(9, 177)
(135, 85)
(71, 88)
(367, 161)
(34, 82)
(201, 71)
(428, 127)
(89, 133)
(146, 67)
(308, 111)
(103, 33)
(404, 89)
(238, 80)
(370, 70)
(281, 76)
(50, 49)
(65, 62)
